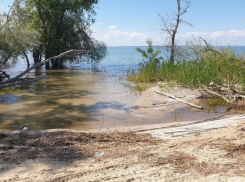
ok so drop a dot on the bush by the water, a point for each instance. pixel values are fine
(149, 67)
(213, 65)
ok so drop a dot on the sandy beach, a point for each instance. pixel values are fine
(204, 150)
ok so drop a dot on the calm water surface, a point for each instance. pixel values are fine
(84, 97)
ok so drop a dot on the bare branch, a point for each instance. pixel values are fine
(209, 47)
(184, 10)
(7, 16)
(165, 25)
(170, 25)
(186, 23)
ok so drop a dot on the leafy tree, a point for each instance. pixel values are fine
(64, 25)
(15, 37)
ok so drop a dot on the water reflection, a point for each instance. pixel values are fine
(191, 114)
(9, 99)
(67, 99)
(81, 99)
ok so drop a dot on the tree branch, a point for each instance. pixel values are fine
(7, 16)
(23, 82)
(16, 80)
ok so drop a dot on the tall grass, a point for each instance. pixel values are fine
(212, 66)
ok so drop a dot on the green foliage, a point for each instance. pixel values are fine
(65, 25)
(140, 88)
(150, 64)
(9, 90)
(213, 66)
(218, 102)
(15, 36)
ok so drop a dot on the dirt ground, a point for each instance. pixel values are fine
(216, 155)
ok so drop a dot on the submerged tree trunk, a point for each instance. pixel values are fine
(37, 54)
(47, 64)
(27, 59)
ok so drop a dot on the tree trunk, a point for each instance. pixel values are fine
(36, 55)
(47, 64)
(172, 49)
(174, 33)
(27, 59)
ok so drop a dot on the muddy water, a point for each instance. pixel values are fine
(81, 99)
(84, 98)
(67, 99)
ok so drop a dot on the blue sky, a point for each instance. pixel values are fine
(132, 22)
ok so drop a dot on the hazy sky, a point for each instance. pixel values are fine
(131, 22)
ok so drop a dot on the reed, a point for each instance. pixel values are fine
(219, 67)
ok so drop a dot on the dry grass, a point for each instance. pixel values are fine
(70, 147)
(133, 157)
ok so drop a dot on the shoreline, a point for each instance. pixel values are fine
(206, 150)
(127, 156)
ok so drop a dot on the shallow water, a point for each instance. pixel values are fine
(82, 97)
(67, 98)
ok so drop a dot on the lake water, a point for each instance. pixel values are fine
(83, 97)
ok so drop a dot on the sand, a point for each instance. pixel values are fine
(210, 150)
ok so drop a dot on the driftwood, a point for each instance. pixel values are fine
(216, 94)
(227, 92)
(20, 81)
(41, 133)
(173, 97)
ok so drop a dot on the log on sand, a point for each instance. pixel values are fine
(180, 100)
(41, 133)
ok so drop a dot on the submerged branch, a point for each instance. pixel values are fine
(18, 81)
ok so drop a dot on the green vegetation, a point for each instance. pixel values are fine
(9, 90)
(149, 67)
(64, 25)
(208, 65)
(140, 88)
(15, 36)
(48, 28)
(218, 102)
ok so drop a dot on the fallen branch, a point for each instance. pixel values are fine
(23, 82)
(217, 94)
(173, 97)
(17, 80)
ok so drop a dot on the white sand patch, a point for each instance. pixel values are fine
(196, 128)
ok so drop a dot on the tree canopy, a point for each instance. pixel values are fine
(64, 25)
(15, 36)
